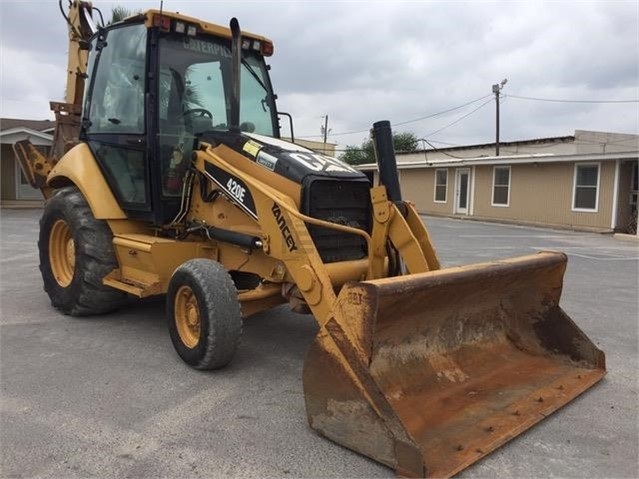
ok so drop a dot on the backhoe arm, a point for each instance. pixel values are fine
(34, 164)
(80, 25)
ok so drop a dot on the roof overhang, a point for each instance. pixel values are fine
(20, 133)
(511, 160)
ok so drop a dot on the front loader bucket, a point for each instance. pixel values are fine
(427, 373)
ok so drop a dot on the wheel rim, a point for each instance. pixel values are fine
(62, 253)
(187, 316)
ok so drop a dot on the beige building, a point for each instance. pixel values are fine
(317, 146)
(14, 187)
(587, 181)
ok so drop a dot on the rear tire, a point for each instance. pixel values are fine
(204, 318)
(76, 253)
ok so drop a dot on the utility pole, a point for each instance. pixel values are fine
(497, 88)
(325, 130)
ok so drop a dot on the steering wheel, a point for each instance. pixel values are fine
(201, 111)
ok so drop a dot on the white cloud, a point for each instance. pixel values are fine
(360, 62)
(28, 85)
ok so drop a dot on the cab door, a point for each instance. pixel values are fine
(114, 115)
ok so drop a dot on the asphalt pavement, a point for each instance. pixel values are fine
(107, 396)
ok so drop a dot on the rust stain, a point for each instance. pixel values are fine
(446, 367)
(454, 364)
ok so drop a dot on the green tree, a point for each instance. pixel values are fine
(119, 13)
(405, 142)
(355, 155)
(358, 155)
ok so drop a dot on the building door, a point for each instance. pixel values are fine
(462, 188)
(24, 191)
(634, 196)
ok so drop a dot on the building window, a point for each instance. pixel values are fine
(441, 185)
(586, 187)
(501, 185)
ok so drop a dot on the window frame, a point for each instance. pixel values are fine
(445, 200)
(574, 187)
(134, 142)
(509, 185)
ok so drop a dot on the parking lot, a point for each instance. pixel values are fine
(108, 397)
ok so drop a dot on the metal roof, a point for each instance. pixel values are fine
(533, 141)
(510, 160)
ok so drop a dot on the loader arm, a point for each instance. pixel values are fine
(286, 237)
(284, 234)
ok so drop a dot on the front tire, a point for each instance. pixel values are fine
(76, 253)
(204, 318)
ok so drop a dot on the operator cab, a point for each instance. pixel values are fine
(156, 82)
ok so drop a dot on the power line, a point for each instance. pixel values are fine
(441, 112)
(441, 129)
(554, 100)
(431, 115)
(440, 150)
(460, 118)
(444, 143)
(517, 97)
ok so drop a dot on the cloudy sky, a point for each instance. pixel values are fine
(359, 62)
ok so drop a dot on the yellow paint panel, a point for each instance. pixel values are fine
(147, 262)
(78, 166)
(202, 26)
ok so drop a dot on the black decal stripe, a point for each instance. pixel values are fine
(286, 165)
(221, 177)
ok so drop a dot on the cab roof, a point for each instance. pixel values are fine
(202, 26)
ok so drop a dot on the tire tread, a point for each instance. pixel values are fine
(217, 299)
(95, 257)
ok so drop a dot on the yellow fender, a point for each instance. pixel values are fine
(78, 167)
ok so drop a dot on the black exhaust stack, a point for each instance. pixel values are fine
(236, 65)
(386, 162)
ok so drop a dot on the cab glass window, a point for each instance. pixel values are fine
(117, 103)
(196, 87)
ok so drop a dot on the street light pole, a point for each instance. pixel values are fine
(497, 87)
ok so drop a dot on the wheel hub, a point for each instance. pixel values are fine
(62, 253)
(187, 316)
(193, 317)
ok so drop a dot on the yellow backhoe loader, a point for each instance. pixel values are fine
(168, 176)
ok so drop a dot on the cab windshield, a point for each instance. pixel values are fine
(195, 87)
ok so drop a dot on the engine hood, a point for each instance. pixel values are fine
(287, 159)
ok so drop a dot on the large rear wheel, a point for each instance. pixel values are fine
(76, 253)
(205, 323)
